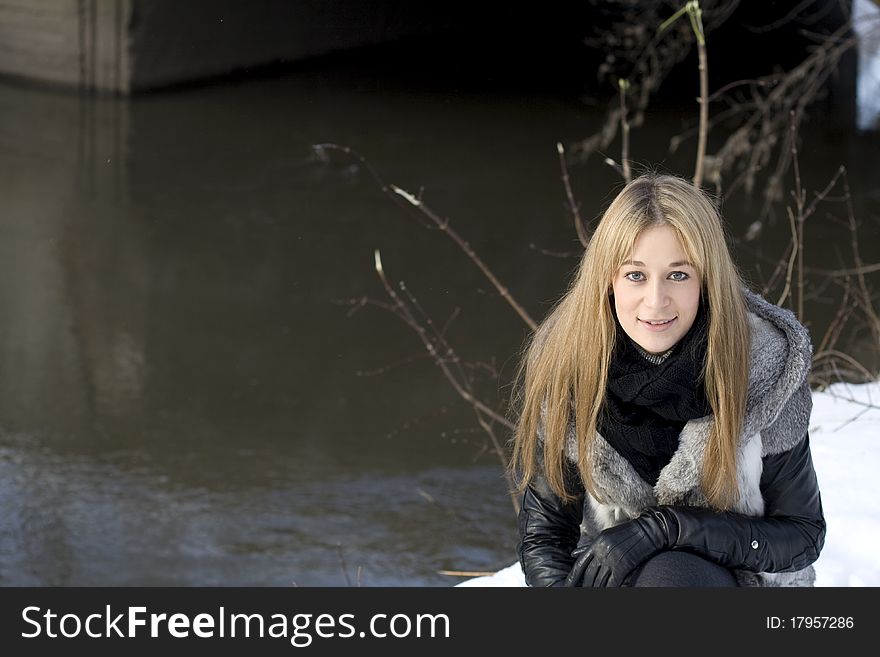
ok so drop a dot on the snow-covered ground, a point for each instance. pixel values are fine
(845, 442)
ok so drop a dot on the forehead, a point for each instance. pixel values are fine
(658, 245)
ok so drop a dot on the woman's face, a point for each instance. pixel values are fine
(657, 284)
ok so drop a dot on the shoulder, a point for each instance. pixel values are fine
(781, 351)
(779, 399)
(776, 327)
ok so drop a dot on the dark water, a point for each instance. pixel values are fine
(187, 398)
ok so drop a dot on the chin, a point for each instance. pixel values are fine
(658, 346)
(656, 349)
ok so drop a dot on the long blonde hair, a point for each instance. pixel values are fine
(565, 367)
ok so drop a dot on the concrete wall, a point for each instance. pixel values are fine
(123, 46)
(174, 41)
(76, 43)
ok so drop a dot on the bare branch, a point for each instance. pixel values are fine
(623, 85)
(644, 56)
(442, 224)
(833, 353)
(553, 254)
(579, 226)
(342, 564)
(852, 271)
(799, 195)
(499, 450)
(696, 16)
(406, 314)
(836, 326)
(794, 244)
(853, 400)
(867, 302)
(466, 573)
(443, 354)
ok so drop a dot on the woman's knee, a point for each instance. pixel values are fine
(681, 569)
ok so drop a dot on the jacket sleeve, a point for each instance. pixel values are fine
(549, 529)
(788, 537)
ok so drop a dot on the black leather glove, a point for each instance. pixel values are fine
(619, 550)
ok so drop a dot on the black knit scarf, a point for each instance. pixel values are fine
(647, 405)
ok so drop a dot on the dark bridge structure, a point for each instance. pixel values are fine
(129, 46)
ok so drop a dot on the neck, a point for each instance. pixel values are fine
(655, 359)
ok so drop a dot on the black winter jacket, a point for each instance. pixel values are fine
(788, 537)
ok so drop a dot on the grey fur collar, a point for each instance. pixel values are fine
(778, 407)
(779, 392)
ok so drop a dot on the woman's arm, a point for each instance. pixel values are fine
(549, 529)
(789, 536)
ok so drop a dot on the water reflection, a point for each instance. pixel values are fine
(183, 400)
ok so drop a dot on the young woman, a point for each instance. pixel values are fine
(662, 437)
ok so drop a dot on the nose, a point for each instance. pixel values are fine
(656, 295)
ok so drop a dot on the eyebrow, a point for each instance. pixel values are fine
(639, 263)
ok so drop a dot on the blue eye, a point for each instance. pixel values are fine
(677, 276)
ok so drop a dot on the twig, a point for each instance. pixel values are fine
(799, 196)
(864, 269)
(676, 140)
(832, 353)
(755, 139)
(496, 445)
(553, 254)
(818, 271)
(403, 311)
(443, 348)
(465, 573)
(578, 222)
(452, 317)
(867, 304)
(823, 195)
(646, 64)
(696, 16)
(442, 224)
(855, 417)
(623, 85)
(342, 563)
(782, 21)
(795, 247)
(781, 266)
(836, 326)
(853, 400)
(463, 388)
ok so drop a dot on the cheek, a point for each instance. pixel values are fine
(690, 304)
(623, 303)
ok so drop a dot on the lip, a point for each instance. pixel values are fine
(658, 329)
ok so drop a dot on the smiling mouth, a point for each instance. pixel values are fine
(656, 322)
